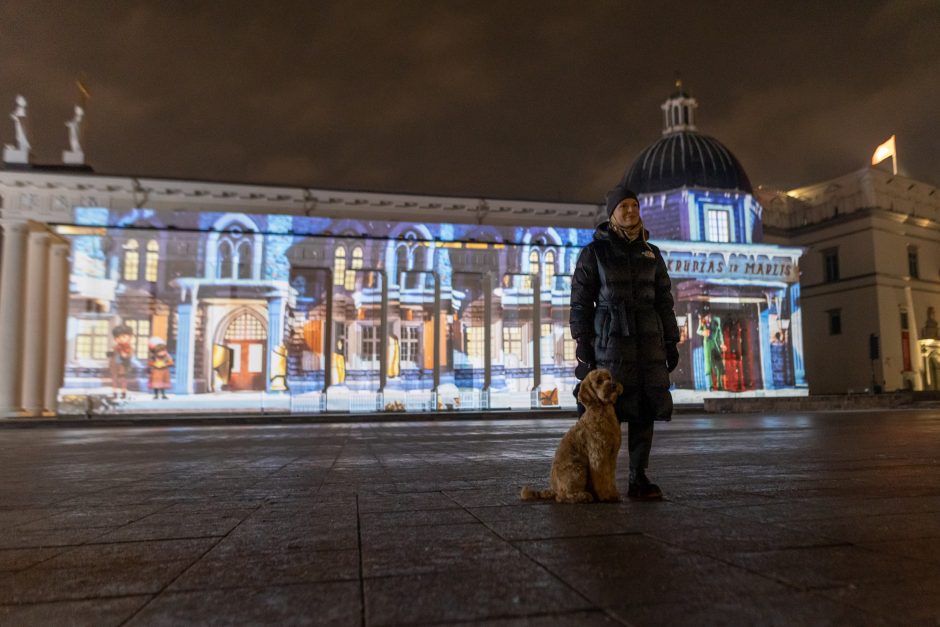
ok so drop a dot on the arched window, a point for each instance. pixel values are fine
(152, 263)
(549, 269)
(401, 264)
(355, 264)
(534, 262)
(419, 261)
(339, 266)
(225, 259)
(243, 254)
(131, 260)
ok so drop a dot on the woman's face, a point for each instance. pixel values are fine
(627, 212)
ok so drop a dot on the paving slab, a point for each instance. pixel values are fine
(801, 519)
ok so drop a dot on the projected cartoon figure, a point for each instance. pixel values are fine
(159, 363)
(122, 358)
(339, 363)
(394, 357)
(709, 327)
(279, 369)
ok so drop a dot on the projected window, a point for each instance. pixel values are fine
(152, 263)
(91, 342)
(141, 337)
(246, 327)
(409, 344)
(339, 266)
(475, 342)
(549, 272)
(369, 342)
(570, 345)
(131, 260)
(548, 343)
(512, 341)
(719, 225)
(350, 281)
(243, 252)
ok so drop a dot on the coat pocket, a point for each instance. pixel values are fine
(602, 326)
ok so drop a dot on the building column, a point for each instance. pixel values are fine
(34, 324)
(57, 305)
(185, 343)
(275, 335)
(917, 361)
(12, 283)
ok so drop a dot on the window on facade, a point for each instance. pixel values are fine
(401, 264)
(339, 266)
(409, 344)
(831, 265)
(225, 259)
(835, 321)
(570, 345)
(527, 281)
(141, 337)
(92, 339)
(355, 264)
(548, 343)
(152, 262)
(246, 327)
(913, 269)
(131, 260)
(475, 344)
(719, 225)
(369, 342)
(244, 251)
(512, 341)
(549, 272)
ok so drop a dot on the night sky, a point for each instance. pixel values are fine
(541, 100)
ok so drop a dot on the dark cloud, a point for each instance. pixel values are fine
(521, 99)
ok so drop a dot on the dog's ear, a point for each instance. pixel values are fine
(587, 395)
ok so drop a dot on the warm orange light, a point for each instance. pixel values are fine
(885, 150)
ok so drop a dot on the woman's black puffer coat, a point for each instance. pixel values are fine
(622, 307)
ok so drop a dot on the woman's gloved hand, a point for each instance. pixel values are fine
(586, 360)
(672, 356)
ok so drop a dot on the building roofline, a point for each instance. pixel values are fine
(71, 171)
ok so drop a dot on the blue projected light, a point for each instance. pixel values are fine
(241, 303)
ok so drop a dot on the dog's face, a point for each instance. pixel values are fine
(599, 388)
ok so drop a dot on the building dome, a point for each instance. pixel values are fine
(684, 157)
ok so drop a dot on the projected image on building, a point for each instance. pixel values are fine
(210, 311)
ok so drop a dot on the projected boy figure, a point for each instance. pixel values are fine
(122, 358)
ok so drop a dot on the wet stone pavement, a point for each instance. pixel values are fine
(818, 519)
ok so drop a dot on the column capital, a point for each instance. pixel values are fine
(40, 237)
(14, 225)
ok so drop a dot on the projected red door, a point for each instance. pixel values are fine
(247, 337)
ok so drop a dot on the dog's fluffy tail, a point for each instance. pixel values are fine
(528, 494)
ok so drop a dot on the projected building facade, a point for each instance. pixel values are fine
(193, 296)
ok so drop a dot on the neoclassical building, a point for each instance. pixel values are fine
(871, 278)
(278, 298)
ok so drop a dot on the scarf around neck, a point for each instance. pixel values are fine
(628, 233)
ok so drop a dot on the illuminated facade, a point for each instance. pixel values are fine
(870, 277)
(272, 299)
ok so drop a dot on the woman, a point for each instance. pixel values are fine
(623, 320)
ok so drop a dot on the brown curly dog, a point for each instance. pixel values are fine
(585, 463)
